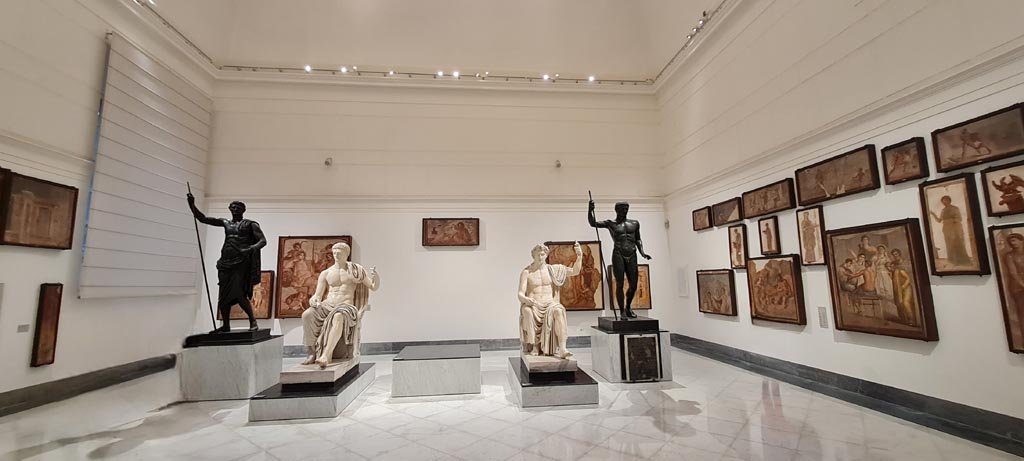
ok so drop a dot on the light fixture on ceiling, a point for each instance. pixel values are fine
(151, 2)
(440, 73)
(694, 30)
(391, 72)
(477, 75)
(308, 68)
(591, 78)
(455, 74)
(344, 69)
(556, 75)
(546, 77)
(355, 68)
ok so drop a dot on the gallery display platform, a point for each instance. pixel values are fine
(225, 366)
(318, 400)
(634, 350)
(622, 325)
(551, 388)
(436, 370)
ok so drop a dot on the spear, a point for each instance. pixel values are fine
(601, 250)
(202, 262)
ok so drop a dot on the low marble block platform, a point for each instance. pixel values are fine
(649, 359)
(547, 389)
(302, 401)
(436, 370)
(236, 367)
(305, 374)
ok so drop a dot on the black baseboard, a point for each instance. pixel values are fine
(384, 348)
(54, 391)
(996, 430)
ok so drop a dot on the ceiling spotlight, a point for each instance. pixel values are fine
(477, 75)
(308, 69)
(590, 78)
(151, 2)
(487, 73)
(556, 75)
(344, 69)
(455, 74)
(355, 68)
(700, 23)
(137, 2)
(689, 36)
(391, 72)
(694, 30)
(546, 77)
(440, 73)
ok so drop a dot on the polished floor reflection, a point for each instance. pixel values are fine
(711, 411)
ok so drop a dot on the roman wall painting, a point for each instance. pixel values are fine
(810, 224)
(845, 174)
(585, 291)
(299, 263)
(38, 213)
(1004, 189)
(956, 244)
(44, 344)
(905, 161)
(702, 218)
(768, 235)
(716, 292)
(769, 199)
(738, 253)
(1008, 252)
(776, 289)
(442, 232)
(992, 136)
(727, 212)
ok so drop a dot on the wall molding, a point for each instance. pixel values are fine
(989, 428)
(29, 397)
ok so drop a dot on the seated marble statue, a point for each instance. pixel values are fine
(330, 325)
(542, 326)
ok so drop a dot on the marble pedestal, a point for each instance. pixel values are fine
(550, 389)
(235, 370)
(308, 374)
(301, 401)
(612, 360)
(436, 370)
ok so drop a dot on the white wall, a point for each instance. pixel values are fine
(783, 84)
(402, 154)
(51, 69)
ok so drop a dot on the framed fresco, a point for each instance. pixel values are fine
(879, 280)
(716, 292)
(768, 235)
(810, 223)
(1008, 252)
(586, 290)
(44, 344)
(845, 174)
(5, 176)
(262, 299)
(776, 289)
(905, 161)
(300, 259)
(727, 212)
(37, 213)
(1004, 189)
(702, 218)
(952, 223)
(992, 136)
(738, 250)
(451, 232)
(642, 299)
(769, 199)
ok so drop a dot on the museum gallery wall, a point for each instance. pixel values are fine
(765, 122)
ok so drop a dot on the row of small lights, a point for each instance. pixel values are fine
(440, 74)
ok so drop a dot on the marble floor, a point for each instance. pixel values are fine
(711, 411)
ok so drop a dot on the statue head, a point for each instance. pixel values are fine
(236, 208)
(340, 251)
(540, 253)
(621, 208)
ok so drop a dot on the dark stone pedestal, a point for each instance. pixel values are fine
(311, 400)
(622, 325)
(234, 337)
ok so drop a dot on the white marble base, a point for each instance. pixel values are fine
(548, 364)
(230, 372)
(435, 377)
(606, 353)
(312, 404)
(302, 374)
(539, 395)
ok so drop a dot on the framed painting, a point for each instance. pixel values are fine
(586, 290)
(992, 136)
(702, 218)
(1008, 252)
(738, 246)
(37, 213)
(952, 223)
(44, 344)
(769, 199)
(905, 161)
(451, 232)
(262, 299)
(768, 235)
(810, 223)
(845, 174)
(727, 212)
(1004, 189)
(300, 259)
(776, 289)
(5, 175)
(716, 292)
(642, 299)
(879, 280)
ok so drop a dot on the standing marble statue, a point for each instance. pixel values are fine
(330, 326)
(626, 237)
(238, 269)
(542, 326)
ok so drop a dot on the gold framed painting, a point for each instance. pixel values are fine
(586, 290)
(300, 259)
(776, 289)
(716, 292)
(642, 299)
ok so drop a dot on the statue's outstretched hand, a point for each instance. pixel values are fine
(191, 198)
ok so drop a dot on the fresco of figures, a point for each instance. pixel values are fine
(776, 290)
(35, 212)
(1008, 251)
(845, 174)
(956, 243)
(769, 199)
(992, 136)
(879, 280)
(738, 246)
(586, 291)
(1004, 189)
(702, 218)
(727, 212)
(768, 234)
(716, 292)
(442, 232)
(299, 263)
(810, 224)
(642, 299)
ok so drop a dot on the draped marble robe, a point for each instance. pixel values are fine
(545, 327)
(322, 318)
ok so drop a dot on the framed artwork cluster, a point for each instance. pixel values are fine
(879, 273)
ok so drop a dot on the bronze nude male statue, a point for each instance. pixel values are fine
(238, 269)
(626, 237)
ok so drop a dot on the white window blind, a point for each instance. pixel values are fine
(153, 138)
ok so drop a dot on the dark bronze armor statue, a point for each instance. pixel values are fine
(626, 237)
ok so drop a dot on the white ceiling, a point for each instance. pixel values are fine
(628, 39)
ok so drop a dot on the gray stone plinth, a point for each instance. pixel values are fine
(548, 364)
(436, 370)
(229, 372)
(606, 354)
(301, 374)
(580, 390)
(306, 401)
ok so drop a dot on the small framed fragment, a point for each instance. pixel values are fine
(738, 253)
(810, 223)
(44, 344)
(775, 197)
(845, 174)
(776, 289)
(451, 232)
(952, 223)
(716, 292)
(995, 135)
(768, 235)
(702, 218)
(37, 213)
(905, 161)
(1004, 189)
(727, 212)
